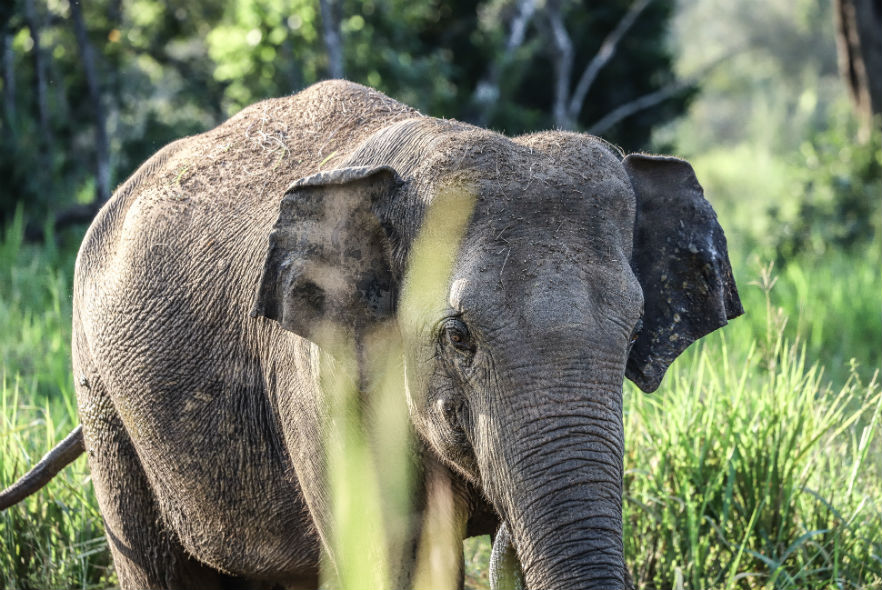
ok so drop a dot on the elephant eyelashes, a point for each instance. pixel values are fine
(455, 333)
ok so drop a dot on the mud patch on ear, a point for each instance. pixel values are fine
(328, 259)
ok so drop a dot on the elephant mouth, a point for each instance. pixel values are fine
(505, 567)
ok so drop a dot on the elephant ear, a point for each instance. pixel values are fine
(682, 263)
(327, 272)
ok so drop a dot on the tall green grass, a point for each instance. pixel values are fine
(53, 539)
(832, 305)
(756, 465)
(747, 472)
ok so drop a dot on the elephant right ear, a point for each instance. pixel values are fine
(328, 270)
(682, 262)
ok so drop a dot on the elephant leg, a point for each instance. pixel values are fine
(145, 554)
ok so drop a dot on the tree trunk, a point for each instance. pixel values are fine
(87, 57)
(601, 58)
(859, 43)
(8, 80)
(486, 93)
(563, 65)
(33, 25)
(333, 39)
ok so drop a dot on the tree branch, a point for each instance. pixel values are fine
(653, 98)
(601, 58)
(487, 90)
(635, 106)
(563, 64)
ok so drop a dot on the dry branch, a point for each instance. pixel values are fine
(487, 90)
(601, 58)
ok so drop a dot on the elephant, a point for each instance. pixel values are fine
(217, 290)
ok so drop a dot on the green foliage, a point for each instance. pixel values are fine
(432, 55)
(167, 70)
(35, 311)
(838, 189)
(743, 471)
(156, 85)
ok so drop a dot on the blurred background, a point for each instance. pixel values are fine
(776, 103)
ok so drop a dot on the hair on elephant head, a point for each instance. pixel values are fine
(514, 282)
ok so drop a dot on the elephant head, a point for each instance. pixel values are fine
(527, 278)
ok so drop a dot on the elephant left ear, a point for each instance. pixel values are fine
(327, 272)
(682, 263)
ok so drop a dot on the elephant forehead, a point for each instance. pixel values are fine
(562, 204)
(561, 231)
(555, 280)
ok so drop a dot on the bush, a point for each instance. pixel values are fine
(838, 187)
(745, 471)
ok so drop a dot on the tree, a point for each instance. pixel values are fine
(92, 89)
(859, 44)
(87, 58)
(331, 34)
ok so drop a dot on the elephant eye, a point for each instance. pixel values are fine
(456, 334)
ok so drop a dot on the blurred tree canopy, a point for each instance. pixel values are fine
(773, 136)
(92, 89)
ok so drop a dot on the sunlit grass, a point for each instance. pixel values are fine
(755, 465)
(747, 470)
(369, 444)
(54, 539)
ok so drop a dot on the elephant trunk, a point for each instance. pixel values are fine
(560, 491)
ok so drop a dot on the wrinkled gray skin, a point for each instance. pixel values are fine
(198, 324)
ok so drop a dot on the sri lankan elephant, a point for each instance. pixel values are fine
(210, 285)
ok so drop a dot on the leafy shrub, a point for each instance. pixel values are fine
(839, 190)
